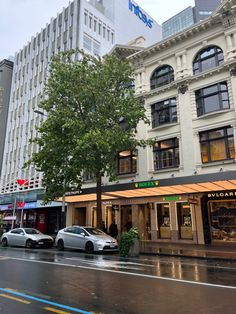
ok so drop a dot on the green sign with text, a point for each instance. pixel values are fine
(172, 198)
(146, 184)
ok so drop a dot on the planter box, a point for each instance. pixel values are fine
(134, 249)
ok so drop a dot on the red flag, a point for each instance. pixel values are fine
(22, 182)
(20, 204)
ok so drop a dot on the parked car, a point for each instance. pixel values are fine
(85, 238)
(27, 237)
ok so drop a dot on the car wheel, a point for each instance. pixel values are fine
(60, 245)
(29, 244)
(4, 242)
(89, 247)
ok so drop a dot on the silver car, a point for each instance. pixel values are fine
(27, 237)
(85, 238)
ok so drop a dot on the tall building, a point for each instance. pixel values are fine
(6, 68)
(189, 16)
(93, 25)
(183, 188)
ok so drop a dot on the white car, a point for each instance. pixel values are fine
(27, 237)
(85, 238)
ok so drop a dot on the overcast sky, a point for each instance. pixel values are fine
(21, 19)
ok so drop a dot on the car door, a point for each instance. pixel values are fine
(16, 237)
(70, 237)
(81, 238)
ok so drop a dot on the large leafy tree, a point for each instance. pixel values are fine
(92, 114)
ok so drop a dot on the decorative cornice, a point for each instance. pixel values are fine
(182, 89)
(233, 71)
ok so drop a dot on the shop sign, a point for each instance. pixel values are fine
(221, 194)
(193, 201)
(138, 12)
(172, 198)
(146, 184)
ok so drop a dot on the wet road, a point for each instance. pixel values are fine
(47, 281)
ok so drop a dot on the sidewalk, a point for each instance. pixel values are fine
(222, 252)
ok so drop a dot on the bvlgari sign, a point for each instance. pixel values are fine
(221, 194)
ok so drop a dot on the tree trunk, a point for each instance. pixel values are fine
(99, 200)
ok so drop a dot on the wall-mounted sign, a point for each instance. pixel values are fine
(221, 194)
(146, 184)
(193, 201)
(142, 16)
(172, 198)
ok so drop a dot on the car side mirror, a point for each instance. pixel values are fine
(83, 234)
(22, 233)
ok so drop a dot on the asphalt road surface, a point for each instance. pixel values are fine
(48, 281)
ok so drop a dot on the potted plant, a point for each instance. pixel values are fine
(129, 243)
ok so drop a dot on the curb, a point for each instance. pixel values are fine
(229, 259)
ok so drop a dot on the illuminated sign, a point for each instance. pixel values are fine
(171, 198)
(146, 184)
(142, 16)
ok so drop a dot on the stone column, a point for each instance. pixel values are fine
(185, 116)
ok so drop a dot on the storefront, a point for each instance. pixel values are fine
(219, 210)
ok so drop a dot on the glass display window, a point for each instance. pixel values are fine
(222, 218)
(163, 220)
(184, 220)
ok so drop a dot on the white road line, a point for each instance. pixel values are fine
(199, 283)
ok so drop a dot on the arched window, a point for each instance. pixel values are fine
(208, 58)
(162, 76)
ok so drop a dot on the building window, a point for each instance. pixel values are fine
(217, 145)
(164, 112)
(212, 98)
(184, 220)
(87, 44)
(127, 162)
(166, 154)
(207, 59)
(163, 220)
(162, 76)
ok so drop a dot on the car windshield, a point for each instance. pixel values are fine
(32, 231)
(94, 231)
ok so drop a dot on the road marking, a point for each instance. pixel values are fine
(51, 309)
(66, 307)
(13, 298)
(199, 283)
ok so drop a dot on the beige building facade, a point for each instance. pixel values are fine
(183, 188)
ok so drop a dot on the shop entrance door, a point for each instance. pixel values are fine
(126, 217)
(110, 216)
(80, 216)
(163, 220)
(145, 221)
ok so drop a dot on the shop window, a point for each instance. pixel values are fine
(184, 221)
(166, 154)
(212, 98)
(163, 220)
(127, 162)
(208, 58)
(217, 145)
(222, 216)
(162, 76)
(164, 112)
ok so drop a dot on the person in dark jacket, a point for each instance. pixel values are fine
(113, 230)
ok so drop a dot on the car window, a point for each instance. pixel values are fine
(80, 230)
(32, 231)
(71, 230)
(94, 231)
(17, 231)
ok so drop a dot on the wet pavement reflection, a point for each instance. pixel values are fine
(207, 271)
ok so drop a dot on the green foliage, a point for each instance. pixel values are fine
(84, 100)
(126, 240)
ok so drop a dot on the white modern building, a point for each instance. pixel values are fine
(93, 25)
